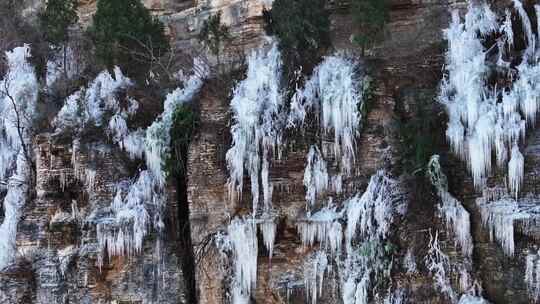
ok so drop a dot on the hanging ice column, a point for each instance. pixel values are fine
(500, 214)
(486, 120)
(243, 240)
(257, 130)
(335, 93)
(18, 97)
(315, 176)
(532, 274)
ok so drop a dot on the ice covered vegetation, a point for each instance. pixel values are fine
(137, 207)
(18, 97)
(456, 217)
(487, 121)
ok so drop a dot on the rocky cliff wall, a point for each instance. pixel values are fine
(58, 260)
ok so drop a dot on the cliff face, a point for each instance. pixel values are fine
(407, 62)
(285, 253)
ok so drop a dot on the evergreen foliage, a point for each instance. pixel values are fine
(419, 133)
(125, 34)
(371, 17)
(303, 28)
(56, 19)
(184, 125)
(213, 34)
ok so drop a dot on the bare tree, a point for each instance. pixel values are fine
(21, 121)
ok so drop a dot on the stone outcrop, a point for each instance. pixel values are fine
(59, 245)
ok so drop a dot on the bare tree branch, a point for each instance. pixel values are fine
(19, 126)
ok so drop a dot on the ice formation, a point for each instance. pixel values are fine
(315, 176)
(138, 205)
(18, 97)
(489, 120)
(122, 233)
(322, 227)
(157, 140)
(356, 292)
(456, 217)
(256, 132)
(63, 61)
(243, 238)
(470, 299)
(368, 218)
(532, 275)
(516, 170)
(268, 228)
(334, 92)
(259, 118)
(88, 105)
(371, 213)
(13, 202)
(500, 214)
(438, 264)
(314, 270)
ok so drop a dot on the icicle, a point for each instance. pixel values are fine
(243, 237)
(118, 128)
(456, 217)
(356, 293)
(500, 213)
(336, 91)
(256, 105)
(268, 228)
(322, 227)
(396, 297)
(314, 270)
(516, 171)
(532, 275)
(134, 144)
(90, 179)
(315, 176)
(409, 262)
